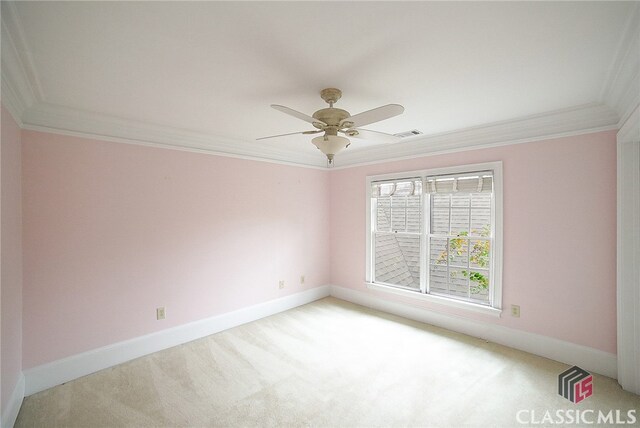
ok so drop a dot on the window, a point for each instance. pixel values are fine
(436, 235)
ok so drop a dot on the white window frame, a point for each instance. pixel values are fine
(496, 262)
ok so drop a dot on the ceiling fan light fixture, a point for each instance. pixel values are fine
(330, 145)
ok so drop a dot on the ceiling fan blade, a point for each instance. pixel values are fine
(374, 115)
(294, 113)
(367, 134)
(291, 133)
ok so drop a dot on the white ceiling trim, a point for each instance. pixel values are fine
(621, 90)
(169, 147)
(61, 120)
(20, 83)
(23, 98)
(17, 94)
(22, 49)
(630, 130)
(562, 123)
(12, 101)
(574, 121)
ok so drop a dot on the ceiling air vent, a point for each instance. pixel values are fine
(406, 134)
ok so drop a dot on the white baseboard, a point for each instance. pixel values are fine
(13, 405)
(58, 372)
(590, 359)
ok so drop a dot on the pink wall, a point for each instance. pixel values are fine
(11, 249)
(112, 231)
(559, 234)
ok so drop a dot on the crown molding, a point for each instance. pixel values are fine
(561, 123)
(12, 101)
(13, 24)
(630, 131)
(566, 122)
(17, 92)
(61, 120)
(621, 90)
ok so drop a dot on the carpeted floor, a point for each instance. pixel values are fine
(325, 364)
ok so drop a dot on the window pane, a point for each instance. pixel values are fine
(397, 259)
(481, 222)
(459, 236)
(414, 218)
(458, 282)
(480, 251)
(460, 221)
(410, 246)
(459, 252)
(438, 250)
(438, 279)
(440, 200)
(481, 214)
(398, 213)
(480, 285)
(481, 200)
(383, 214)
(440, 220)
(460, 200)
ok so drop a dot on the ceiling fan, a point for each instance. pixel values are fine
(333, 120)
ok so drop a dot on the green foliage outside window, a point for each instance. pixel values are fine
(479, 256)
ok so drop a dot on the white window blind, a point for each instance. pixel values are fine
(477, 182)
(406, 187)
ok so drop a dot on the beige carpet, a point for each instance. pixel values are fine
(326, 364)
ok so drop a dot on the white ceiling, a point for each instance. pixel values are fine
(214, 68)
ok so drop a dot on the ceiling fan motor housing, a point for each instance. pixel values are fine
(331, 116)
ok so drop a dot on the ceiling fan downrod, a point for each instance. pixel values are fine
(331, 95)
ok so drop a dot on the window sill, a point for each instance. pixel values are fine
(459, 304)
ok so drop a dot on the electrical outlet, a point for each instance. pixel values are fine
(515, 311)
(301, 279)
(281, 284)
(160, 313)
